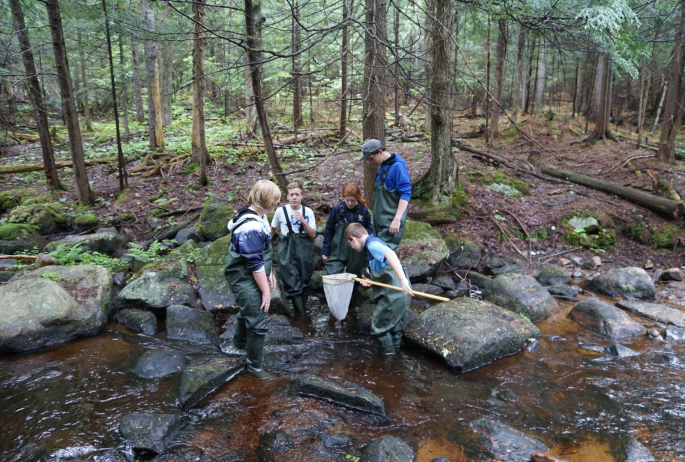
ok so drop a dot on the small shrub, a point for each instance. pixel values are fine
(665, 237)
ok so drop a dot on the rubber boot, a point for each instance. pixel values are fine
(397, 339)
(299, 303)
(385, 345)
(255, 350)
(240, 335)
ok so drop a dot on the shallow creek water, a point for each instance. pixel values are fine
(67, 403)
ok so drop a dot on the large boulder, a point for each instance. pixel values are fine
(157, 290)
(521, 294)
(552, 275)
(200, 381)
(98, 242)
(191, 325)
(466, 255)
(422, 250)
(655, 311)
(340, 392)
(470, 333)
(52, 305)
(46, 217)
(20, 238)
(214, 220)
(505, 443)
(631, 282)
(387, 448)
(151, 432)
(138, 321)
(605, 319)
(160, 363)
(213, 288)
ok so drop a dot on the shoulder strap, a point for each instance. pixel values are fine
(304, 214)
(384, 173)
(287, 220)
(246, 220)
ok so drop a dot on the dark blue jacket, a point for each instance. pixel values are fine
(397, 176)
(359, 214)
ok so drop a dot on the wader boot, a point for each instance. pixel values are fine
(255, 352)
(299, 303)
(385, 345)
(397, 339)
(390, 313)
(240, 335)
(385, 204)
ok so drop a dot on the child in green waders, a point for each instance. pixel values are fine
(392, 306)
(338, 257)
(295, 247)
(248, 272)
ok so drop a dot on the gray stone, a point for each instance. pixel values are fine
(273, 445)
(387, 449)
(151, 432)
(157, 290)
(590, 265)
(637, 452)
(154, 222)
(424, 250)
(505, 443)
(99, 242)
(564, 290)
(662, 313)
(187, 234)
(578, 274)
(340, 392)
(202, 380)
(470, 333)
(22, 244)
(553, 275)
(110, 229)
(45, 260)
(576, 260)
(280, 331)
(138, 321)
(631, 282)
(520, 294)
(465, 256)
(675, 333)
(6, 263)
(191, 325)
(672, 274)
(428, 288)
(68, 302)
(155, 364)
(619, 351)
(588, 225)
(605, 319)
(444, 282)
(498, 266)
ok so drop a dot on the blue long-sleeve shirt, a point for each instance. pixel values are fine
(397, 176)
(359, 214)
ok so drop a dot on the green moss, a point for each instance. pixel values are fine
(13, 198)
(459, 196)
(500, 178)
(41, 199)
(87, 220)
(191, 168)
(637, 232)
(14, 231)
(604, 239)
(665, 237)
(126, 216)
(155, 212)
(121, 196)
(44, 216)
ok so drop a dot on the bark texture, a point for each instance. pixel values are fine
(199, 146)
(154, 97)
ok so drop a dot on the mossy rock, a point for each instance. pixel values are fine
(16, 231)
(46, 217)
(665, 237)
(40, 199)
(87, 220)
(422, 249)
(499, 178)
(604, 238)
(214, 220)
(18, 238)
(121, 197)
(13, 198)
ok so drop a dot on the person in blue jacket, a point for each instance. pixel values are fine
(391, 193)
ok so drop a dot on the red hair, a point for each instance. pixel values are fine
(353, 190)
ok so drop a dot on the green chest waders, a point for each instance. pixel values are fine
(385, 204)
(295, 257)
(391, 310)
(342, 254)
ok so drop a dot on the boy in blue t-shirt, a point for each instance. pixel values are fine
(385, 267)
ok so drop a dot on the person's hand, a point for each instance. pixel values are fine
(365, 284)
(266, 302)
(298, 216)
(272, 281)
(406, 288)
(325, 257)
(395, 226)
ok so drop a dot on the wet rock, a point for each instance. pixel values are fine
(553, 338)
(191, 325)
(119, 279)
(578, 275)
(672, 274)
(661, 313)
(541, 457)
(576, 260)
(506, 443)
(160, 363)
(6, 276)
(533, 345)
(564, 290)
(112, 455)
(138, 321)
(19, 238)
(521, 294)
(45, 260)
(628, 282)
(466, 255)
(151, 432)
(590, 265)
(200, 381)
(214, 220)
(340, 392)
(52, 305)
(675, 333)
(563, 262)
(272, 446)
(453, 294)
(619, 351)
(189, 455)
(213, 288)
(441, 459)
(553, 275)
(605, 319)
(476, 280)
(317, 282)
(498, 266)
(100, 242)
(428, 288)
(387, 449)
(424, 250)
(653, 333)
(444, 282)
(364, 310)
(280, 330)
(187, 234)
(594, 350)
(637, 452)
(157, 290)
(470, 333)
(279, 302)
(336, 443)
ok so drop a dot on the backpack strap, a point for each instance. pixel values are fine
(287, 220)
(384, 173)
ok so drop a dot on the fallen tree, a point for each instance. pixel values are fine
(671, 208)
(24, 168)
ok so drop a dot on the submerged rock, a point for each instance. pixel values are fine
(138, 321)
(521, 294)
(637, 452)
(191, 325)
(506, 443)
(52, 305)
(151, 432)
(272, 446)
(387, 449)
(631, 282)
(200, 381)
(675, 333)
(655, 311)
(470, 333)
(605, 319)
(619, 351)
(159, 363)
(280, 330)
(341, 392)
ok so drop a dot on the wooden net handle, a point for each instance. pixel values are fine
(422, 294)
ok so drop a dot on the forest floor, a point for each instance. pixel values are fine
(541, 208)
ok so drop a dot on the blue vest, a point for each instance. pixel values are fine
(374, 264)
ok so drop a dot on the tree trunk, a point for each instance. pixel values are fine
(519, 94)
(640, 104)
(499, 78)
(253, 19)
(542, 77)
(597, 90)
(84, 81)
(199, 149)
(124, 90)
(36, 96)
(154, 98)
(603, 129)
(660, 108)
(297, 90)
(343, 67)
(85, 195)
(167, 81)
(577, 92)
(527, 106)
(428, 66)
(488, 67)
(374, 84)
(137, 85)
(254, 130)
(397, 66)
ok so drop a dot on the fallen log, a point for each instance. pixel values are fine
(480, 133)
(671, 208)
(24, 168)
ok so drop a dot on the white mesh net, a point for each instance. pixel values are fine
(338, 289)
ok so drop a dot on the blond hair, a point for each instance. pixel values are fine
(293, 185)
(355, 230)
(264, 194)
